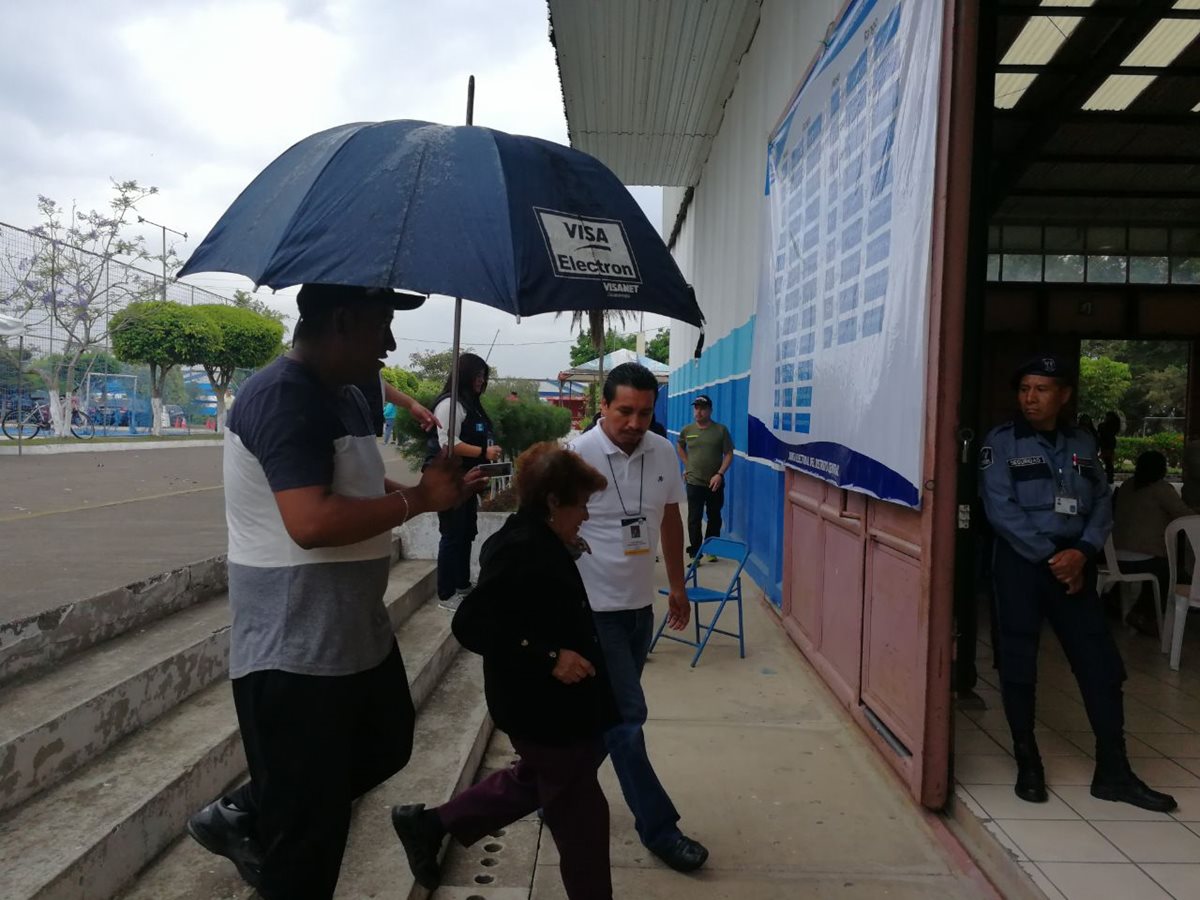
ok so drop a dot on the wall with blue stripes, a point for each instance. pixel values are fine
(754, 489)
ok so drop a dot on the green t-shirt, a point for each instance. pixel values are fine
(705, 447)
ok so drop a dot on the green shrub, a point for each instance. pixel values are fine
(518, 425)
(1168, 443)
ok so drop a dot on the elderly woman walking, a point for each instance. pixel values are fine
(544, 679)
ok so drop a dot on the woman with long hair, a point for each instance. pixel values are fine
(544, 679)
(475, 443)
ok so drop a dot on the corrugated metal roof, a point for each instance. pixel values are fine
(644, 84)
(1158, 49)
(1036, 45)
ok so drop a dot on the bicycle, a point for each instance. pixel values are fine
(29, 423)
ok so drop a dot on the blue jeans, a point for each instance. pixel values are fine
(625, 636)
(388, 425)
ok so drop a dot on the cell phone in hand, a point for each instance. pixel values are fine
(495, 470)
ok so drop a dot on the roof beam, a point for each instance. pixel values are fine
(1012, 10)
(1052, 69)
(1098, 117)
(1113, 159)
(1121, 41)
(1103, 194)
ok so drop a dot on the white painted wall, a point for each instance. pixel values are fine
(719, 247)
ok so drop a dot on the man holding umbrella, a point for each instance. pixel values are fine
(320, 689)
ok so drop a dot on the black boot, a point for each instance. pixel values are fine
(1114, 780)
(421, 834)
(1031, 777)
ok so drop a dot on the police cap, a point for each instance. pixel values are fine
(1045, 364)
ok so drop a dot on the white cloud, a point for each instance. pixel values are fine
(197, 97)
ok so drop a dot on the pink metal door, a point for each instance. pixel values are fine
(868, 586)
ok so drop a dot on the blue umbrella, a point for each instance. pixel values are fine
(521, 224)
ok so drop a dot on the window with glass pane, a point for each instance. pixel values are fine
(993, 237)
(993, 267)
(1185, 269)
(1107, 241)
(1022, 238)
(1106, 269)
(1149, 241)
(1064, 267)
(1148, 269)
(1061, 239)
(1022, 267)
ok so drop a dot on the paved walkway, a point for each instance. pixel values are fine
(768, 772)
(75, 525)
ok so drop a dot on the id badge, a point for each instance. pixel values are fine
(1066, 506)
(635, 536)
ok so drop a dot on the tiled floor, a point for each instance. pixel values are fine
(1076, 846)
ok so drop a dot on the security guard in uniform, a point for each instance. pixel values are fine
(1047, 499)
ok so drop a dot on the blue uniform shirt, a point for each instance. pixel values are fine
(1022, 471)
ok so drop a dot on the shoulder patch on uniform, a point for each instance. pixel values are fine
(985, 457)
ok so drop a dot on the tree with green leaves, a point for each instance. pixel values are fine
(75, 280)
(433, 365)
(584, 348)
(401, 379)
(247, 300)
(659, 347)
(1102, 384)
(163, 335)
(1159, 373)
(248, 340)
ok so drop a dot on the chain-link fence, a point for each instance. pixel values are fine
(63, 298)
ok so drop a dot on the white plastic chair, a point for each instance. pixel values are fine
(1185, 596)
(1110, 573)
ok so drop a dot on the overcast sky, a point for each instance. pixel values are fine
(197, 97)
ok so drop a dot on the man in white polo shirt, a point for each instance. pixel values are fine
(623, 527)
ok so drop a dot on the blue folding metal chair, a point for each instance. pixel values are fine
(722, 548)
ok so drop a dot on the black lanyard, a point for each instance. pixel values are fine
(641, 486)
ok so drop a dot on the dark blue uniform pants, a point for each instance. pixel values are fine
(458, 529)
(1025, 594)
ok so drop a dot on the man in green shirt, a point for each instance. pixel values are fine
(707, 453)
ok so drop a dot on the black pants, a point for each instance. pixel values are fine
(1027, 593)
(703, 500)
(314, 744)
(458, 529)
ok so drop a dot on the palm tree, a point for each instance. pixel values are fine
(599, 321)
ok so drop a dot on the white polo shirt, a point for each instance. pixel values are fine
(642, 483)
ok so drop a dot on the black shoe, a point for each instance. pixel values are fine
(682, 854)
(1125, 787)
(422, 839)
(223, 829)
(1031, 777)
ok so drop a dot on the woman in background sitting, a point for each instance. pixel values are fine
(1142, 508)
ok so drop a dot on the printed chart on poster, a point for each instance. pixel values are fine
(837, 384)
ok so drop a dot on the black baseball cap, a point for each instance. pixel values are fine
(1047, 365)
(312, 295)
(702, 400)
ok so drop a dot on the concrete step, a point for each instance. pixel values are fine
(87, 836)
(52, 723)
(451, 736)
(37, 642)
